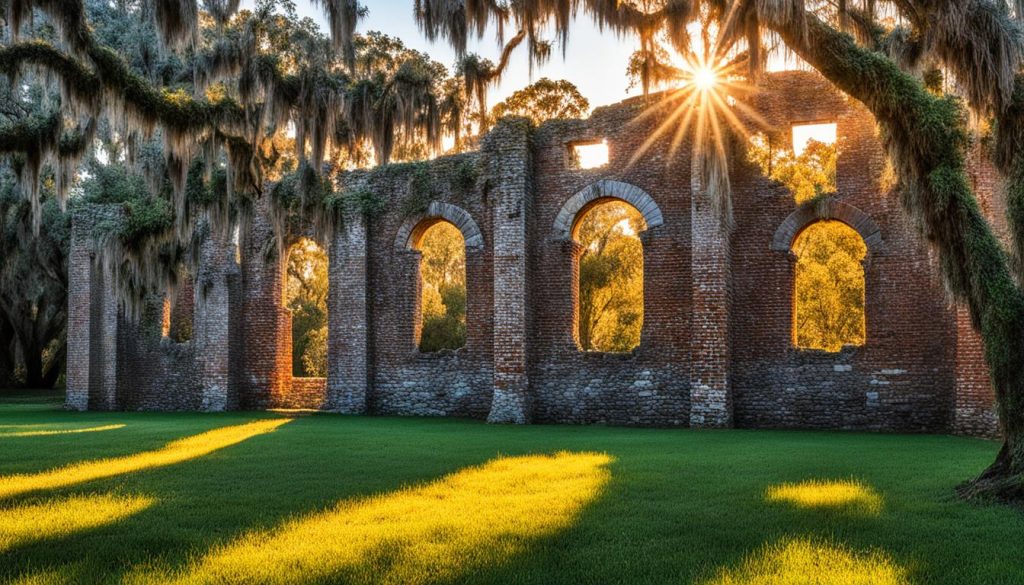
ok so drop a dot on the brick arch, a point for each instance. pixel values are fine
(604, 189)
(814, 211)
(437, 210)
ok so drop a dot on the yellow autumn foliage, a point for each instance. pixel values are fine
(443, 287)
(829, 293)
(611, 277)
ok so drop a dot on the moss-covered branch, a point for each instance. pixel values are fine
(110, 75)
(33, 132)
(1009, 158)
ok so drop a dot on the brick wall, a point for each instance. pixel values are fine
(716, 344)
(650, 386)
(901, 379)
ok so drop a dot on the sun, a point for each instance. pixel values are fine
(705, 78)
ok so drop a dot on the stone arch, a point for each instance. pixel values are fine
(605, 189)
(414, 226)
(814, 211)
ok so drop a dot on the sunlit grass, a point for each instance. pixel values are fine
(174, 452)
(840, 494)
(803, 562)
(476, 517)
(59, 576)
(43, 433)
(61, 517)
(680, 506)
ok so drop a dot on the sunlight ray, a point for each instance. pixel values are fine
(472, 518)
(802, 561)
(60, 517)
(61, 432)
(828, 494)
(172, 453)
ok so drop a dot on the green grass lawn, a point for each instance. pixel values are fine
(356, 499)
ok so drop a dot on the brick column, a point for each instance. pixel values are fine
(348, 319)
(267, 339)
(710, 393)
(92, 322)
(974, 401)
(215, 318)
(508, 155)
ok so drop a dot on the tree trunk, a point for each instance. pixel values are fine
(925, 137)
(7, 361)
(6, 369)
(34, 368)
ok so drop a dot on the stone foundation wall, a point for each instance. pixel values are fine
(716, 344)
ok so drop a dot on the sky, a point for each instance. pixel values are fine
(595, 61)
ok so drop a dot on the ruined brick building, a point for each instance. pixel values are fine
(716, 346)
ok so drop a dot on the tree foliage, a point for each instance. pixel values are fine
(306, 296)
(33, 290)
(809, 175)
(829, 291)
(443, 288)
(611, 278)
(544, 100)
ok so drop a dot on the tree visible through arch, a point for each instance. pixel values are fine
(442, 287)
(306, 296)
(611, 277)
(828, 296)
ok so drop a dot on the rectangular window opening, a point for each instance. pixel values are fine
(588, 155)
(805, 133)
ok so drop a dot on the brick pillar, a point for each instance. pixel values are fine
(267, 340)
(92, 322)
(215, 318)
(508, 153)
(348, 319)
(974, 401)
(710, 393)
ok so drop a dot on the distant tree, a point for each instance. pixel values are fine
(829, 296)
(443, 277)
(306, 294)
(33, 291)
(611, 297)
(544, 100)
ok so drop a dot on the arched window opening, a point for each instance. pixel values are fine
(306, 296)
(829, 296)
(611, 277)
(442, 286)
